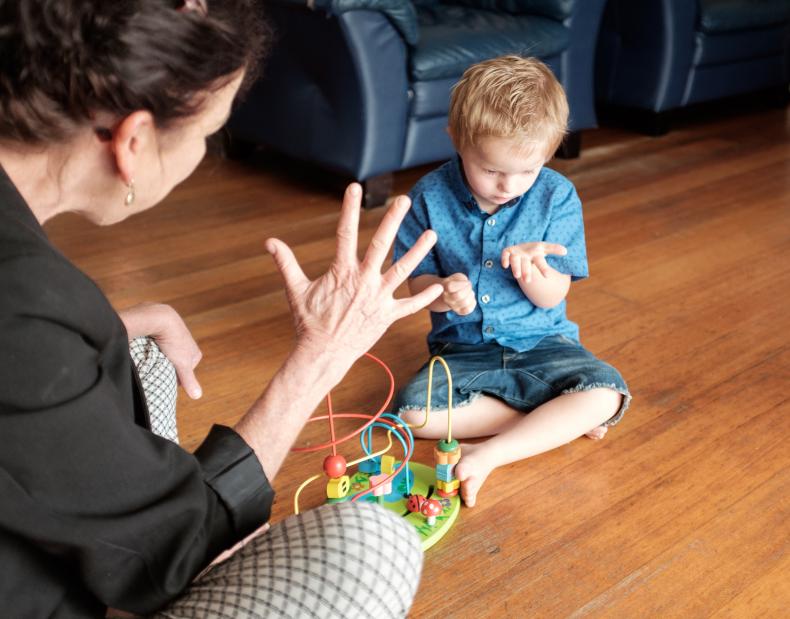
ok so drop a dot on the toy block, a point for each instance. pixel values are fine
(448, 486)
(338, 487)
(388, 464)
(383, 489)
(371, 466)
(446, 495)
(445, 472)
(444, 456)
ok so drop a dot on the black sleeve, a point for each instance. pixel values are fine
(134, 515)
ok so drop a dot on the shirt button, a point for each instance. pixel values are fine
(488, 263)
(489, 330)
(491, 221)
(485, 298)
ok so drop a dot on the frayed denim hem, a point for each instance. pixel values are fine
(473, 396)
(615, 419)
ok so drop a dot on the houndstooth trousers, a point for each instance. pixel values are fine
(338, 561)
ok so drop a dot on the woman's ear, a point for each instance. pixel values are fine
(129, 141)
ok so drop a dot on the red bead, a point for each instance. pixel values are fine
(335, 466)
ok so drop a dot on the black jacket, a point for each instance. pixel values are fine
(95, 510)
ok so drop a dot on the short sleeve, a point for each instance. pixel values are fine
(566, 227)
(414, 224)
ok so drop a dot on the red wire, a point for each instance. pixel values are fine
(334, 442)
(331, 423)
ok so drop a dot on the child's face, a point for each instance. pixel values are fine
(500, 169)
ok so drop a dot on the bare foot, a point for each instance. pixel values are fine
(598, 433)
(472, 470)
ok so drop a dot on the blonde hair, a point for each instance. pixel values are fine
(509, 97)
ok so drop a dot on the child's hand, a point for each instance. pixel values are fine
(459, 294)
(523, 257)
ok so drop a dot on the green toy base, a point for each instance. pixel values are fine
(423, 481)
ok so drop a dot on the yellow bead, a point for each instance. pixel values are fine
(387, 464)
(338, 487)
(448, 486)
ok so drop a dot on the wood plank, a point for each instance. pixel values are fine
(682, 510)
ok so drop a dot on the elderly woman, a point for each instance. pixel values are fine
(104, 108)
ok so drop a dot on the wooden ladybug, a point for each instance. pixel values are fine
(415, 502)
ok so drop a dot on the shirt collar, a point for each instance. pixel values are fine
(461, 189)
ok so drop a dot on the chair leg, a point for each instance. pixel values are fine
(376, 190)
(780, 97)
(571, 146)
(655, 124)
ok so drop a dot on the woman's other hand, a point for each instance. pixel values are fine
(162, 323)
(349, 307)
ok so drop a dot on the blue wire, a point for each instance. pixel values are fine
(368, 449)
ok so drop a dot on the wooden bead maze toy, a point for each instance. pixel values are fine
(426, 497)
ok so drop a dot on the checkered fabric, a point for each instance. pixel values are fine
(160, 385)
(342, 561)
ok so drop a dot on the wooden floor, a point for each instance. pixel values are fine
(684, 509)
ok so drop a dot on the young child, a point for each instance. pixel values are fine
(511, 240)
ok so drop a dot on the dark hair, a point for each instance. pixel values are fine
(64, 61)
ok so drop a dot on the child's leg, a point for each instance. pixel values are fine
(551, 425)
(518, 436)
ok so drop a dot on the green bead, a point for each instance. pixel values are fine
(447, 447)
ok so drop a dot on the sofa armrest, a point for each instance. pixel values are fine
(645, 53)
(334, 91)
(554, 9)
(401, 13)
(578, 61)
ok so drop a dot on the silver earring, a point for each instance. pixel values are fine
(129, 200)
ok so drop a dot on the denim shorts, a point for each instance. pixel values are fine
(523, 380)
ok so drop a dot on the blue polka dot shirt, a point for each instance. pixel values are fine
(471, 242)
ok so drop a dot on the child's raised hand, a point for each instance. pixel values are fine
(521, 258)
(459, 294)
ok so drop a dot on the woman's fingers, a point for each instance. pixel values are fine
(348, 225)
(292, 274)
(398, 272)
(382, 239)
(188, 380)
(410, 305)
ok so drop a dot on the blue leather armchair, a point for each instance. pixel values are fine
(660, 55)
(362, 87)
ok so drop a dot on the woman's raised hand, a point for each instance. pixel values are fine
(348, 308)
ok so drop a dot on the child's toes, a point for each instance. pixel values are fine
(598, 433)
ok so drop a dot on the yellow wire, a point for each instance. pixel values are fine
(449, 397)
(378, 453)
(299, 490)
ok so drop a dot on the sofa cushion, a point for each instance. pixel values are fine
(731, 15)
(452, 38)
